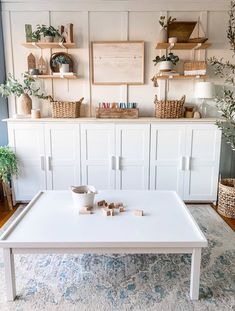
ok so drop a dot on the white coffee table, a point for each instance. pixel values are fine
(50, 224)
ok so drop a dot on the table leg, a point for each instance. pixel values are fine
(9, 273)
(195, 274)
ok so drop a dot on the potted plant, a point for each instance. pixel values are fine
(23, 91)
(8, 168)
(164, 22)
(166, 62)
(44, 33)
(226, 106)
(63, 63)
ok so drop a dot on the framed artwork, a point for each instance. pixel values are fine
(117, 62)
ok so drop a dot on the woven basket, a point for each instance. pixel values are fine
(61, 109)
(226, 204)
(169, 109)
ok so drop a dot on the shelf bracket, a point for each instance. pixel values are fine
(35, 44)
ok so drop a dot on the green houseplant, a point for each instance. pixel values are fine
(23, 91)
(8, 168)
(44, 33)
(166, 62)
(164, 22)
(63, 63)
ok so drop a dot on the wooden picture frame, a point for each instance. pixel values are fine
(117, 62)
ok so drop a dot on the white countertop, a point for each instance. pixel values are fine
(95, 120)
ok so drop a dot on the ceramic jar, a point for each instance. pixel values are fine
(24, 105)
(165, 66)
(162, 38)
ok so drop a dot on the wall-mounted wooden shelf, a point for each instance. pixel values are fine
(181, 77)
(49, 45)
(73, 76)
(182, 46)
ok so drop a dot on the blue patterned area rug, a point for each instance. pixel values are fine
(128, 282)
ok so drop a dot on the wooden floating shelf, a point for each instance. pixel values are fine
(181, 77)
(73, 76)
(49, 45)
(182, 46)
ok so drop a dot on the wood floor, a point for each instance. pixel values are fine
(5, 214)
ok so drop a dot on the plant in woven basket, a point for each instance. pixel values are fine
(8, 168)
(226, 70)
(61, 59)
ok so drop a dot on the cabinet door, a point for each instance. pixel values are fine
(62, 155)
(166, 160)
(132, 156)
(28, 143)
(97, 155)
(202, 167)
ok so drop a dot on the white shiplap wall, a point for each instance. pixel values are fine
(109, 20)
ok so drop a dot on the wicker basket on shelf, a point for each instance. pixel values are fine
(169, 109)
(65, 109)
(226, 204)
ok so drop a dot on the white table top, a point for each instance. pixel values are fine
(52, 221)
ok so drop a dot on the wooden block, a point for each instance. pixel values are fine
(85, 211)
(117, 205)
(138, 212)
(121, 209)
(117, 113)
(112, 212)
(106, 211)
(101, 203)
(111, 205)
(70, 33)
(28, 32)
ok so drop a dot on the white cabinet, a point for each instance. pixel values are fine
(28, 143)
(62, 155)
(185, 158)
(115, 157)
(202, 162)
(167, 150)
(98, 155)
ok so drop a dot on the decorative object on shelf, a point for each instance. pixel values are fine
(23, 91)
(166, 62)
(34, 72)
(65, 109)
(61, 61)
(197, 115)
(42, 66)
(117, 62)
(83, 196)
(198, 38)
(8, 168)
(225, 69)
(28, 32)
(195, 68)
(181, 29)
(226, 203)
(172, 40)
(31, 61)
(45, 34)
(204, 90)
(169, 109)
(117, 113)
(35, 114)
(163, 31)
(69, 33)
(189, 111)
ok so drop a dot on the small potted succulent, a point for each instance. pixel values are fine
(45, 34)
(63, 63)
(8, 168)
(23, 91)
(166, 62)
(164, 22)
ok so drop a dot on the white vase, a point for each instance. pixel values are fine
(165, 66)
(49, 39)
(162, 38)
(64, 68)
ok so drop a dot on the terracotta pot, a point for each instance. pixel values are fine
(24, 105)
(162, 38)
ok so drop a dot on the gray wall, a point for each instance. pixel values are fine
(3, 101)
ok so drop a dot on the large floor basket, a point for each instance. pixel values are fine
(226, 204)
(169, 109)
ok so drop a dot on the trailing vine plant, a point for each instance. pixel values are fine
(226, 71)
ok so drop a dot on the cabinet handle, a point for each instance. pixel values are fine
(113, 163)
(42, 163)
(118, 163)
(49, 163)
(188, 166)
